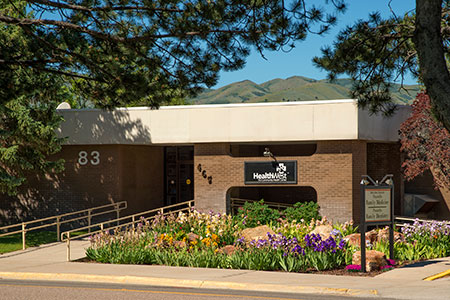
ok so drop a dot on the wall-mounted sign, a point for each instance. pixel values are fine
(270, 172)
(378, 204)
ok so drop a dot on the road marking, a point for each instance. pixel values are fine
(150, 291)
(437, 276)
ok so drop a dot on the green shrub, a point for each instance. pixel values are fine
(303, 210)
(253, 214)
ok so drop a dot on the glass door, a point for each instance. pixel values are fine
(179, 170)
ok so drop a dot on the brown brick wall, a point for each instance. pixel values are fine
(423, 184)
(382, 159)
(131, 173)
(329, 171)
(142, 177)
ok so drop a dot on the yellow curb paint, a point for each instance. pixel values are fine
(205, 284)
(437, 276)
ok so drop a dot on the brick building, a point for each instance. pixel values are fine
(152, 158)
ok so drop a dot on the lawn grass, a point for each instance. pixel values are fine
(34, 238)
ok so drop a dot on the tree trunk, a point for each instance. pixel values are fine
(433, 68)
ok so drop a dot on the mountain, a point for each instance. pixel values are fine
(295, 88)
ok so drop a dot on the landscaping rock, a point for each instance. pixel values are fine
(179, 244)
(372, 236)
(374, 260)
(256, 233)
(383, 235)
(323, 230)
(192, 237)
(228, 249)
(354, 239)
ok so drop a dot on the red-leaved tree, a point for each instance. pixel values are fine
(426, 143)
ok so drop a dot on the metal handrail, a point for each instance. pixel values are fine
(136, 218)
(117, 207)
(235, 202)
(408, 219)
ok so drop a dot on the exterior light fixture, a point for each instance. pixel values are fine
(267, 153)
(364, 181)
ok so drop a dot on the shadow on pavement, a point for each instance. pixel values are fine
(422, 264)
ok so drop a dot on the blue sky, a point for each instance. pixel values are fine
(299, 60)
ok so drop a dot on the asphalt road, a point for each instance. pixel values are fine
(49, 290)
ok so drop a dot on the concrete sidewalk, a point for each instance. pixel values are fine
(49, 263)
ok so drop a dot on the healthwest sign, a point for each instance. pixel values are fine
(276, 172)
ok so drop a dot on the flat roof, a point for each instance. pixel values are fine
(295, 121)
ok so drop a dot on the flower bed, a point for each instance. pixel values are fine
(214, 240)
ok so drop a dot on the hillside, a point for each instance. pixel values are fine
(296, 88)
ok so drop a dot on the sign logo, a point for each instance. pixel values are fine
(271, 172)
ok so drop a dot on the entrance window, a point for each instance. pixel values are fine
(179, 170)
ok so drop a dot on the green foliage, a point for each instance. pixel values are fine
(149, 52)
(28, 139)
(164, 241)
(346, 228)
(34, 238)
(306, 211)
(253, 214)
(373, 52)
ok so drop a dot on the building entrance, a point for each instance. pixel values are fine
(179, 174)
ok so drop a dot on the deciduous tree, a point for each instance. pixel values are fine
(426, 143)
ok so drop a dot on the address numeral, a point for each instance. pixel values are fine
(83, 158)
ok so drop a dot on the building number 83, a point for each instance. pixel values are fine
(84, 158)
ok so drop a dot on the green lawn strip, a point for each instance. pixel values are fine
(34, 238)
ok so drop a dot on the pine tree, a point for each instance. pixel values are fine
(123, 53)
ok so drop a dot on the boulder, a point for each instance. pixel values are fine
(323, 230)
(228, 249)
(354, 239)
(179, 244)
(372, 236)
(383, 235)
(256, 233)
(374, 260)
(192, 237)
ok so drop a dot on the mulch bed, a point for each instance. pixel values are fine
(344, 272)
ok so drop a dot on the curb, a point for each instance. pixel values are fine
(186, 283)
(437, 276)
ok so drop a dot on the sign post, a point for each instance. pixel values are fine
(377, 208)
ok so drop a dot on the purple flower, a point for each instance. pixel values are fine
(342, 244)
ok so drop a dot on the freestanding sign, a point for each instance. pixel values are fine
(377, 208)
(377, 204)
(270, 172)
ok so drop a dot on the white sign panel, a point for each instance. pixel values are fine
(378, 204)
